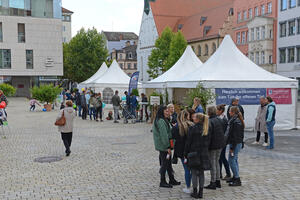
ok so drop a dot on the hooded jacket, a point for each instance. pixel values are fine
(69, 115)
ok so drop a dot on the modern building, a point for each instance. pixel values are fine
(288, 40)
(30, 42)
(254, 25)
(67, 25)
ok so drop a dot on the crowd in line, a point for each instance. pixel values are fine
(200, 140)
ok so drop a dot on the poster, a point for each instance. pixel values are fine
(280, 95)
(134, 80)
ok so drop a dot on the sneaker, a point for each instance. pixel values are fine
(187, 190)
(255, 143)
(265, 144)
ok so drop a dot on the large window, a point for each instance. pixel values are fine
(243, 37)
(29, 59)
(21, 33)
(252, 34)
(129, 65)
(252, 56)
(257, 33)
(292, 3)
(262, 57)
(283, 29)
(298, 24)
(1, 33)
(283, 4)
(257, 58)
(250, 13)
(282, 55)
(245, 15)
(239, 16)
(263, 32)
(291, 55)
(269, 7)
(238, 38)
(5, 59)
(256, 11)
(270, 59)
(263, 10)
(298, 54)
(292, 27)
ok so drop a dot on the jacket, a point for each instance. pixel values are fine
(173, 118)
(216, 132)
(179, 142)
(236, 132)
(260, 120)
(83, 100)
(133, 101)
(225, 121)
(98, 102)
(240, 108)
(161, 135)
(199, 109)
(77, 99)
(196, 142)
(93, 102)
(116, 100)
(271, 112)
(69, 115)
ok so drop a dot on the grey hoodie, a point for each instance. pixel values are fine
(69, 115)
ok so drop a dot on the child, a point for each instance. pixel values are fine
(32, 103)
(109, 117)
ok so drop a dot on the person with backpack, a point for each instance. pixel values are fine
(99, 107)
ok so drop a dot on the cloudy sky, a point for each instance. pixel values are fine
(107, 15)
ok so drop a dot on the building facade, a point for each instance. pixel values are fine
(288, 40)
(30, 42)
(66, 25)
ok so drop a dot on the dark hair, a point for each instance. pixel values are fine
(211, 111)
(191, 111)
(125, 92)
(160, 115)
(269, 99)
(221, 107)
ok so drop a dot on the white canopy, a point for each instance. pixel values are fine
(187, 63)
(231, 68)
(97, 75)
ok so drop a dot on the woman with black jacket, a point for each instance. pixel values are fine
(198, 141)
(179, 134)
(235, 140)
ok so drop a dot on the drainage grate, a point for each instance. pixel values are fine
(48, 159)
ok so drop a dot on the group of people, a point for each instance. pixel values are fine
(200, 140)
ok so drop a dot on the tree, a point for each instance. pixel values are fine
(8, 89)
(84, 55)
(45, 93)
(177, 47)
(158, 60)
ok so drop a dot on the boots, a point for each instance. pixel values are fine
(195, 194)
(230, 180)
(211, 186)
(200, 194)
(174, 182)
(218, 184)
(164, 184)
(236, 182)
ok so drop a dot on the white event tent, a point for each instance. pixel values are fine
(228, 68)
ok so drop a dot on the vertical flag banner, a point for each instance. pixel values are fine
(134, 80)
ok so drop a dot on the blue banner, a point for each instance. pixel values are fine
(134, 80)
(247, 96)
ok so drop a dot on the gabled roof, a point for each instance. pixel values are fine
(64, 10)
(117, 36)
(97, 75)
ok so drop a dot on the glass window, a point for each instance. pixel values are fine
(17, 4)
(239, 16)
(245, 15)
(263, 32)
(256, 11)
(263, 10)
(252, 56)
(121, 56)
(5, 59)
(1, 33)
(206, 50)
(129, 65)
(298, 24)
(135, 66)
(292, 3)
(29, 59)
(283, 29)
(199, 50)
(270, 59)
(243, 37)
(257, 33)
(21, 33)
(298, 54)
(46, 8)
(252, 34)
(262, 57)
(238, 38)
(121, 65)
(291, 55)
(214, 47)
(271, 34)
(292, 27)
(250, 13)
(282, 56)
(257, 58)
(283, 4)
(270, 7)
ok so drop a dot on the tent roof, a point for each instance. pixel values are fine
(228, 64)
(98, 74)
(114, 75)
(187, 63)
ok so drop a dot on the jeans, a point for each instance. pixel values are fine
(133, 111)
(187, 174)
(270, 127)
(165, 166)
(215, 166)
(32, 107)
(92, 113)
(99, 112)
(79, 110)
(67, 140)
(198, 176)
(233, 160)
(223, 160)
(258, 137)
(116, 113)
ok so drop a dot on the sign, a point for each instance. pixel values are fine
(134, 80)
(280, 95)
(247, 96)
(49, 62)
(154, 100)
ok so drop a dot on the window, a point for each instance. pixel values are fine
(283, 4)
(283, 29)
(129, 55)
(271, 34)
(256, 11)
(214, 47)
(64, 28)
(282, 56)
(292, 3)
(199, 50)
(298, 25)
(129, 65)
(21, 33)
(245, 15)
(1, 33)
(291, 55)
(64, 39)
(262, 57)
(239, 16)
(252, 34)
(269, 7)
(292, 27)
(263, 10)
(257, 58)
(121, 56)
(238, 38)
(5, 59)
(68, 18)
(263, 32)
(250, 13)
(206, 50)
(243, 37)
(29, 59)
(298, 54)
(135, 66)
(270, 59)
(257, 33)
(121, 65)
(252, 56)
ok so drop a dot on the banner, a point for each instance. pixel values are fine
(247, 96)
(280, 95)
(134, 80)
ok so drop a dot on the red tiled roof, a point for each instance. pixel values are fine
(64, 10)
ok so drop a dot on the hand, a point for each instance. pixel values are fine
(169, 151)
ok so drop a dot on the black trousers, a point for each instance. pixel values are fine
(84, 112)
(258, 137)
(165, 166)
(99, 112)
(32, 108)
(67, 139)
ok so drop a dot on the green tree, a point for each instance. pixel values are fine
(8, 89)
(45, 93)
(177, 47)
(158, 60)
(84, 54)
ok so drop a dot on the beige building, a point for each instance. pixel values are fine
(261, 40)
(66, 25)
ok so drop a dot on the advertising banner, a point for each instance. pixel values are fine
(280, 95)
(134, 80)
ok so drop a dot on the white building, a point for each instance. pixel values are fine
(66, 25)
(30, 42)
(288, 39)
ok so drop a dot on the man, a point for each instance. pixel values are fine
(78, 102)
(116, 104)
(133, 105)
(260, 121)
(87, 97)
(84, 105)
(270, 119)
(235, 102)
(144, 107)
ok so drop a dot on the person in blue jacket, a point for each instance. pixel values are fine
(270, 119)
(197, 107)
(133, 104)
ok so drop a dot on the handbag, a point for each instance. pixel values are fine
(193, 159)
(61, 121)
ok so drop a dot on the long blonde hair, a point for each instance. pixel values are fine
(204, 120)
(237, 112)
(183, 122)
(198, 102)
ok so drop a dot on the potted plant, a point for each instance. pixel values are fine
(46, 94)
(7, 89)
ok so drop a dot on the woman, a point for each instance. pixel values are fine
(198, 141)
(192, 113)
(179, 133)
(197, 106)
(67, 129)
(260, 122)
(173, 114)
(99, 108)
(162, 135)
(93, 103)
(235, 140)
(223, 159)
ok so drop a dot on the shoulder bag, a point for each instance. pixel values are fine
(61, 121)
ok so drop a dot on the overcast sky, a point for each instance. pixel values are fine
(107, 15)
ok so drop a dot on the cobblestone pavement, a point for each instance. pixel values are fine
(116, 161)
